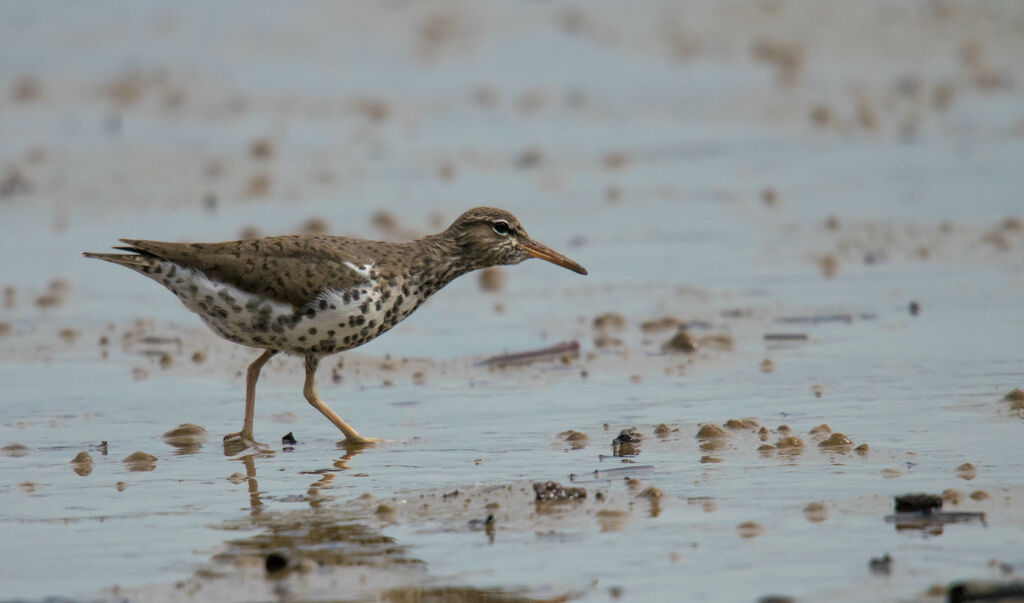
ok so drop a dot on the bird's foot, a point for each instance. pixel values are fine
(359, 440)
(243, 440)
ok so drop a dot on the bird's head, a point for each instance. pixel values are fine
(487, 236)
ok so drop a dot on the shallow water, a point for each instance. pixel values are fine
(918, 217)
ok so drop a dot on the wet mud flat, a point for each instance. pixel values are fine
(804, 304)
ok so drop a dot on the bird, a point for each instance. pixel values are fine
(313, 295)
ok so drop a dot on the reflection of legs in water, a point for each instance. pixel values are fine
(254, 487)
(313, 494)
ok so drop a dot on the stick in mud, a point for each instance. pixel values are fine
(568, 348)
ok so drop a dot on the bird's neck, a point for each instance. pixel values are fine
(439, 259)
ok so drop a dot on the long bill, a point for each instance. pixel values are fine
(537, 250)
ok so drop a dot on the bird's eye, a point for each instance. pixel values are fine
(501, 227)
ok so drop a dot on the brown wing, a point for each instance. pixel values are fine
(291, 269)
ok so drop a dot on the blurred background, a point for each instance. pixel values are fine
(725, 165)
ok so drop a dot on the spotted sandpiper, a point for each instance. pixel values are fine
(315, 295)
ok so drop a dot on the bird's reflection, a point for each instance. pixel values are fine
(314, 493)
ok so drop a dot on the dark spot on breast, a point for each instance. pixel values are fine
(312, 330)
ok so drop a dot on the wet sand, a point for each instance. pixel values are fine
(805, 253)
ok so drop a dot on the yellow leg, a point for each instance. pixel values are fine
(251, 376)
(309, 391)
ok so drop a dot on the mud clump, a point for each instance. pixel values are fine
(822, 430)
(1016, 399)
(966, 471)
(627, 443)
(139, 461)
(790, 442)
(315, 226)
(258, 185)
(628, 436)
(767, 365)
(721, 342)
(576, 439)
(261, 148)
(663, 430)
(659, 324)
(749, 529)
(604, 341)
(553, 491)
(82, 464)
(737, 424)
(198, 357)
(186, 435)
(681, 343)
(610, 320)
(651, 493)
(980, 495)
(837, 441)
(953, 496)
(710, 431)
(816, 512)
(492, 279)
(829, 266)
(14, 450)
(785, 56)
